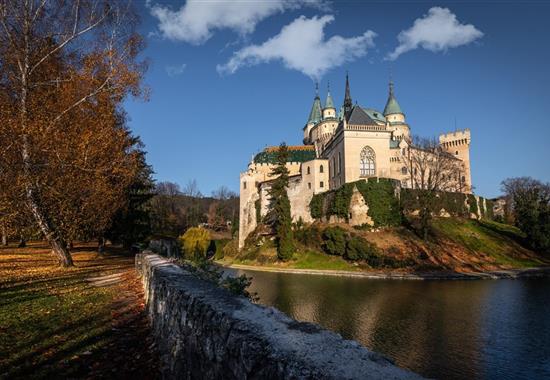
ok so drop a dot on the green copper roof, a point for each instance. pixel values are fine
(391, 105)
(329, 103)
(315, 115)
(375, 115)
(301, 153)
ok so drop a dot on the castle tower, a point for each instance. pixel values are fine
(315, 116)
(458, 144)
(392, 111)
(329, 111)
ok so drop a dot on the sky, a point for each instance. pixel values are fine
(227, 79)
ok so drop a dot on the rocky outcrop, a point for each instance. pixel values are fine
(205, 332)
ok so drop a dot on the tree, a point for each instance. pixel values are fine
(66, 154)
(431, 170)
(279, 216)
(191, 189)
(530, 203)
(132, 222)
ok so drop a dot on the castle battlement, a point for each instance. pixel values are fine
(460, 137)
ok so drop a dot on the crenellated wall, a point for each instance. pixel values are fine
(204, 332)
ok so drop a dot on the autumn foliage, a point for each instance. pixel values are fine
(66, 154)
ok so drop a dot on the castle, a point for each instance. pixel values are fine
(342, 147)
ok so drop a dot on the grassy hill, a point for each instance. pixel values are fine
(460, 245)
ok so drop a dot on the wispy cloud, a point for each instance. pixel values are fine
(196, 21)
(301, 46)
(175, 70)
(437, 31)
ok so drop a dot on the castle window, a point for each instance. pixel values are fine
(404, 170)
(456, 153)
(244, 185)
(321, 184)
(367, 162)
(463, 179)
(321, 169)
(308, 171)
(309, 185)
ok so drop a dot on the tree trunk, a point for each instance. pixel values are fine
(58, 245)
(4, 236)
(101, 245)
(22, 242)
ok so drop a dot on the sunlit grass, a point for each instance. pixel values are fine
(499, 241)
(50, 315)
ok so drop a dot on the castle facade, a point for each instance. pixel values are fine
(340, 147)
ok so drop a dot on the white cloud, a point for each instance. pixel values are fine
(196, 21)
(174, 71)
(301, 46)
(437, 31)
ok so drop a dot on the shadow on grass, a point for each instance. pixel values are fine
(55, 323)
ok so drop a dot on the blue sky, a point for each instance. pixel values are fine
(227, 80)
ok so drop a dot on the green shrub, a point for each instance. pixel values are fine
(316, 206)
(358, 248)
(310, 236)
(195, 242)
(334, 241)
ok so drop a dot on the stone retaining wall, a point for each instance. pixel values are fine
(204, 332)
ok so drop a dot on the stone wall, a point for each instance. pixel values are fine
(204, 332)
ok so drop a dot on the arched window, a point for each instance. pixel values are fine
(321, 169)
(308, 171)
(404, 170)
(367, 162)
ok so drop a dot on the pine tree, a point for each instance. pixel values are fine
(279, 206)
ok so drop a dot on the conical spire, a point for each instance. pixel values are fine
(392, 106)
(348, 103)
(329, 103)
(315, 114)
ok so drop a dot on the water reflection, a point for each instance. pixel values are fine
(442, 329)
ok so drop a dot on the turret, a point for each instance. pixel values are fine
(392, 111)
(457, 143)
(348, 104)
(329, 111)
(315, 116)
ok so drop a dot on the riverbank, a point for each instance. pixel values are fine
(490, 275)
(455, 249)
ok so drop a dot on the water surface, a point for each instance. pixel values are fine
(490, 329)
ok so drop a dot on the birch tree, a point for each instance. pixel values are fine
(65, 68)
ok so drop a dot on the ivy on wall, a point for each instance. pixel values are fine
(472, 203)
(378, 194)
(386, 209)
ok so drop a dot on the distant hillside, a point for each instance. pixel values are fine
(461, 245)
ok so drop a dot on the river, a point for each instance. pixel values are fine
(486, 329)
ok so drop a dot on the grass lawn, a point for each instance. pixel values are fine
(54, 322)
(302, 259)
(500, 241)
